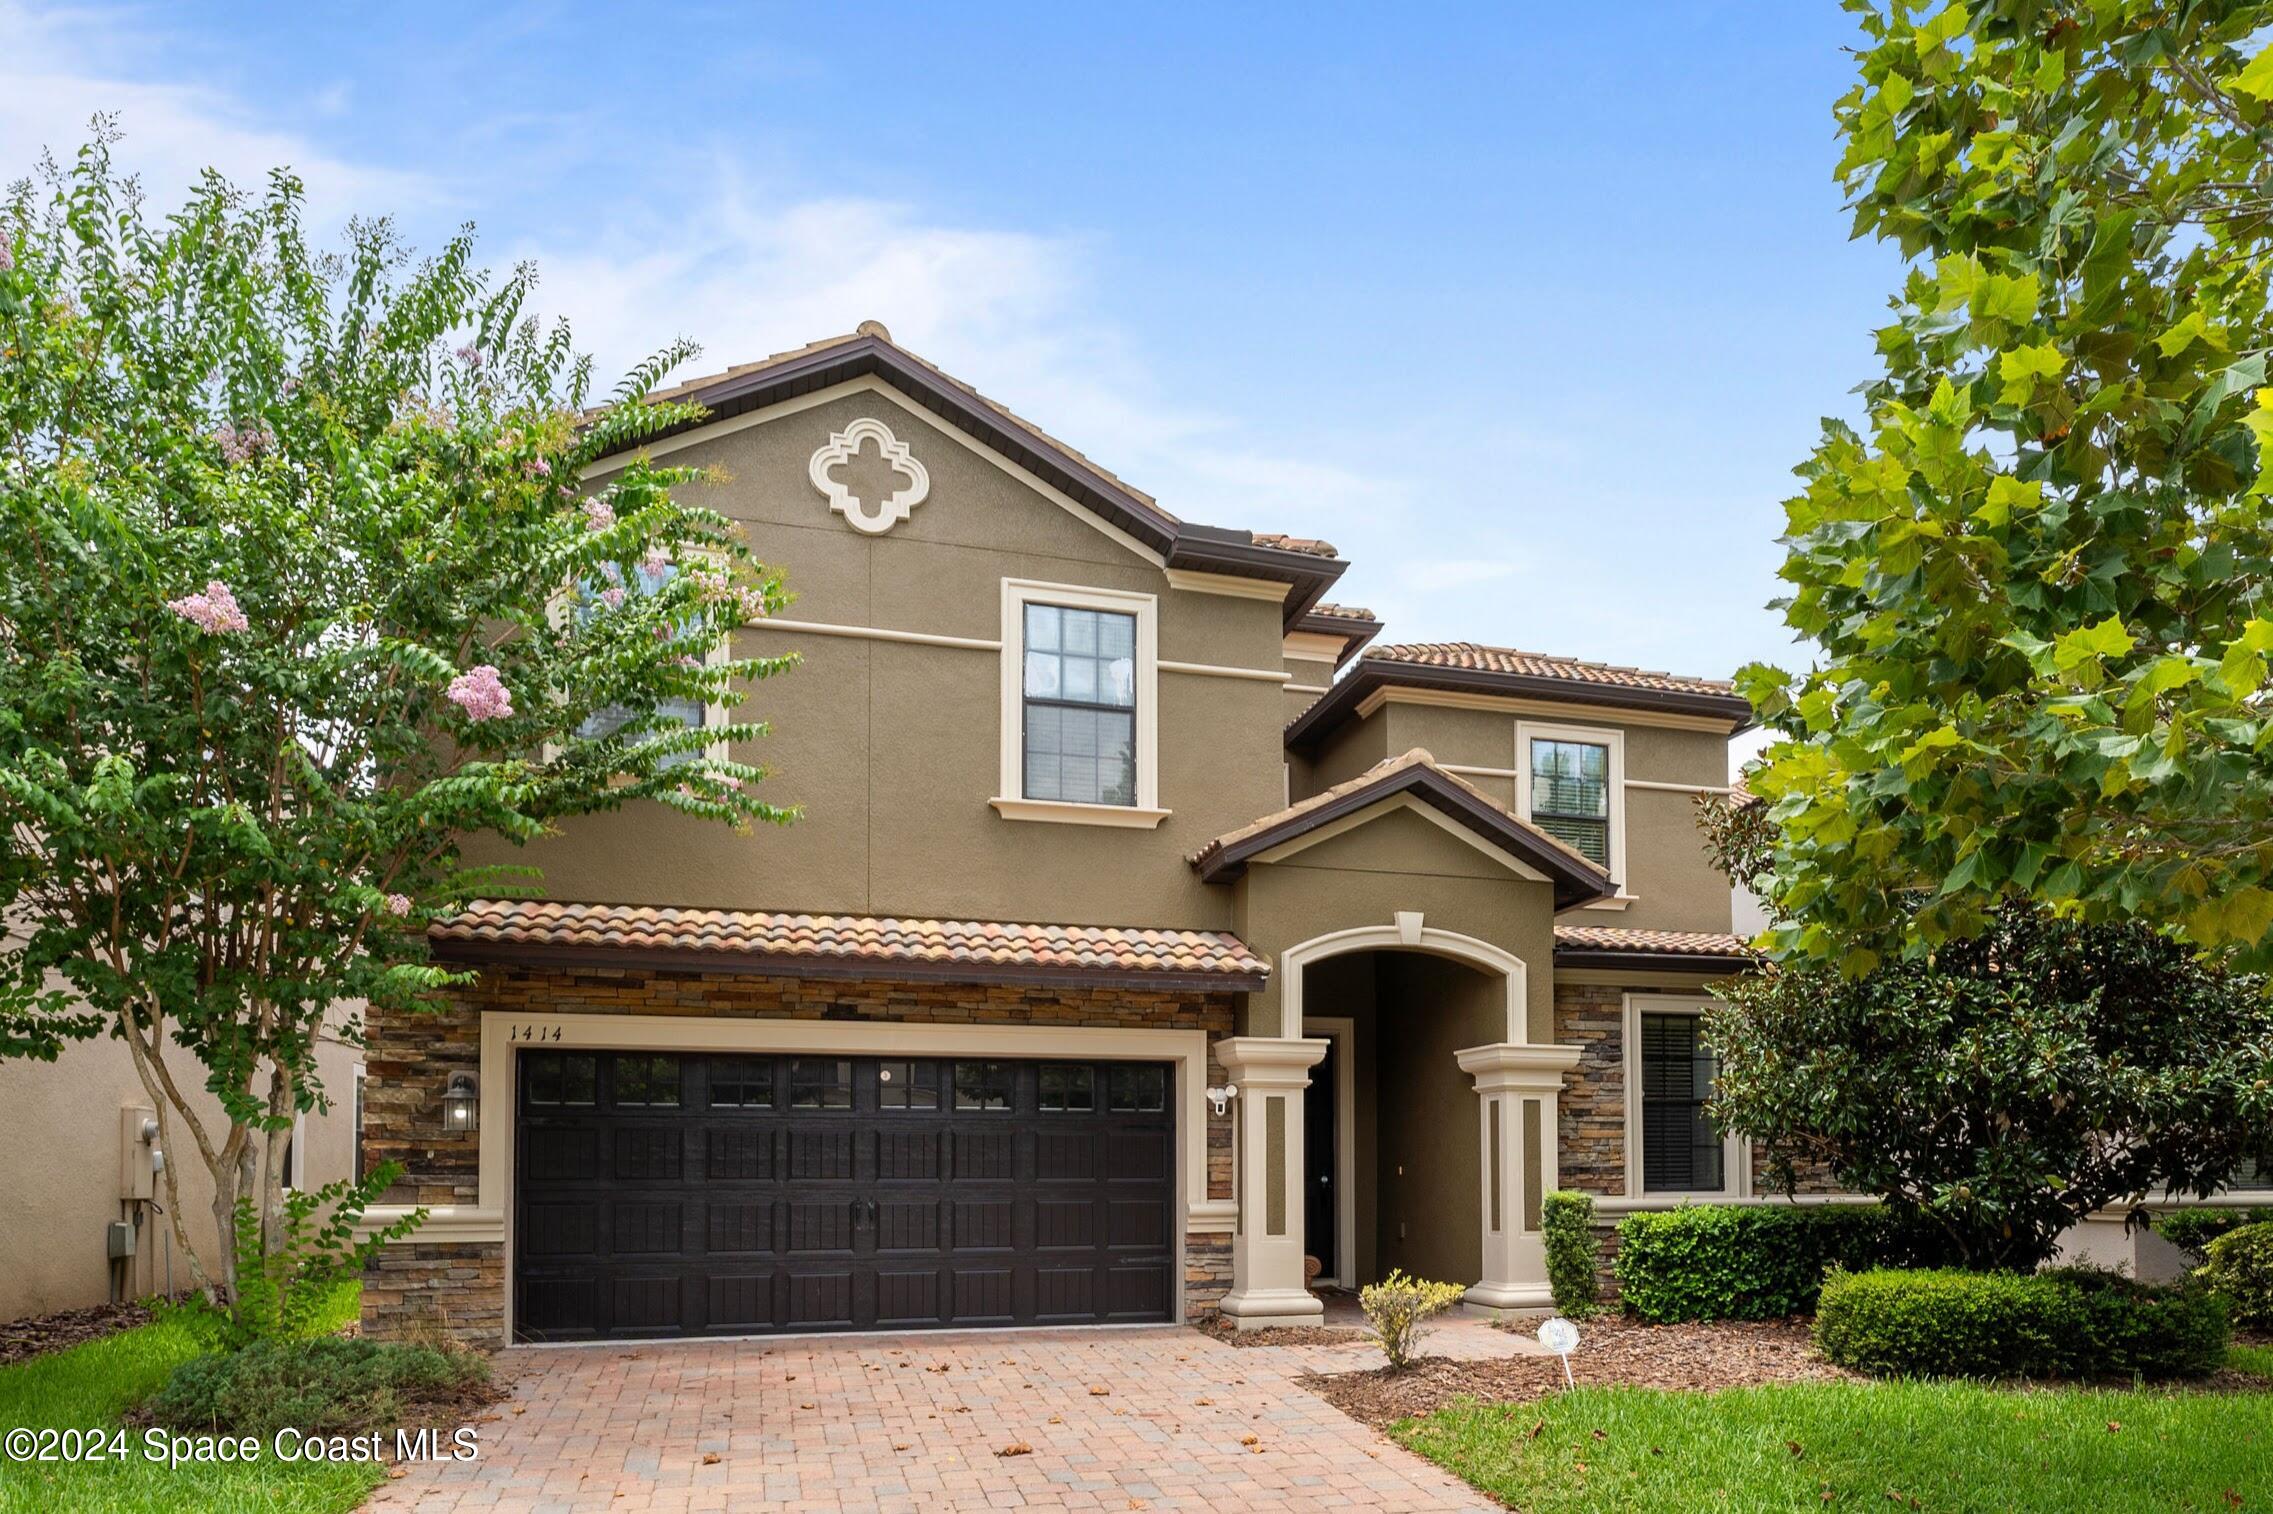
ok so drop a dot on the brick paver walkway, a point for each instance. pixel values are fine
(1156, 1418)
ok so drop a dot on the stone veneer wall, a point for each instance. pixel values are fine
(460, 1287)
(1591, 1130)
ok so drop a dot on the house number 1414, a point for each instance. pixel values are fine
(535, 1033)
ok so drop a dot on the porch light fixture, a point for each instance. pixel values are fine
(461, 1105)
(1220, 1099)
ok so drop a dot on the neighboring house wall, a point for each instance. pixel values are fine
(61, 1123)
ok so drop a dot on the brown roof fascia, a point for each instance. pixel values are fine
(1572, 885)
(1336, 703)
(1641, 961)
(1211, 549)
(772, 965)
(1356, 633)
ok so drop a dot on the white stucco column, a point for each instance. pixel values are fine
(1267, 1247)
(1516, 1091)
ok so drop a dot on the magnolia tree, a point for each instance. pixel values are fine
(2036, 578)
(299, 590)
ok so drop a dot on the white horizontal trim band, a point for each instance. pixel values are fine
(876, 633)
(1678, 788)
(1211, 670)
(1306, 688)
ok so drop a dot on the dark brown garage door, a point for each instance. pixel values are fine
(724, 1195)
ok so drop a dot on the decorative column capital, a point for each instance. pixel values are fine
(1518, 1067)
(1256, 1062)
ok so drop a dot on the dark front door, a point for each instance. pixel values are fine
(1320, 1189)
(661, 1194)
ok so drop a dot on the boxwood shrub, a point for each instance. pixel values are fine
(326, 1385)
(1750, 1261)
(2194, 1229)
(1566, 1224)
(2068, 1323)
(2241, 1272)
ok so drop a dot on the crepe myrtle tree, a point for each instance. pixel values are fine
(299, 591)
(2034, 578)
(2002, 1087)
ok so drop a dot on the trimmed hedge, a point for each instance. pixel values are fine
(2072, 1322)
(2194, 1229)
(2241, 1272)
(326, 1385)
(1740, 1261)
(1574, 1256)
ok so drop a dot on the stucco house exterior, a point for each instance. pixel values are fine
(1150, 929)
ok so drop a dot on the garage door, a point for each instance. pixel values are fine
(661, 1195)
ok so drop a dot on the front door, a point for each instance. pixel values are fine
(1321, 1226)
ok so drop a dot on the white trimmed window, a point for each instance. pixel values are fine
(1080, 705)
(639, 583)
(1571, 783)
(1672, 1147)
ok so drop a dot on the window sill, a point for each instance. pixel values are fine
(1615, 901)
(1060, 812)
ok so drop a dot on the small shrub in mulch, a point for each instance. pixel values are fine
(323, 1385)
(25, 1338)
(2068, 1322)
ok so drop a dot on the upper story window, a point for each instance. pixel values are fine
(1571, 783)
(1080, 706)
(1570, 794)
(636, 584)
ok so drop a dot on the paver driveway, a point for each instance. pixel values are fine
(1158, 1418)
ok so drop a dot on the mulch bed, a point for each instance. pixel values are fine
(1281, 1335)
(1613, 1351)
(23, 1339)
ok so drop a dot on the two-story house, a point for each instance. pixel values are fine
(1151, 939)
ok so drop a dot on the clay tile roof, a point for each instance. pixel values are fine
(1576, 877)
(1342, 612)
(1304, 544)
(846, 945)
(1649, 943)
(1482, 659)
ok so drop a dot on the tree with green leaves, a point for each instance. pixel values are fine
(2035, 579)
(299, 590)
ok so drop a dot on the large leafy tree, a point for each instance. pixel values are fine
(2036, 577)
(2003, 1087)
(299, 589)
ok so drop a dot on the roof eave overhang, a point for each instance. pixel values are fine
(1179, 543)
(1355, 633)
(779, 965)
(1336, 704)
(1573, 883)
(1715, 964)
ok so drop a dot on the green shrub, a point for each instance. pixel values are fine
(329, 1385)
(2072, 1322)
(2194, 1229)
(1573, 1254)
(1397, 1307)
(2241, 1272)
(1757, 1261)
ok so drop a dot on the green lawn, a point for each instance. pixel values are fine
(1948, 1446)
(91, 1385)
(2255, 1360)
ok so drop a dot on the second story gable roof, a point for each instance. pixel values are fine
(1308, 568)
(1473, 668)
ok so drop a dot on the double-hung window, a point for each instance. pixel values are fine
(1080, 705)
(1570, 795)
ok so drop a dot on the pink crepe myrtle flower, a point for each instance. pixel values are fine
(599, 514)
(7, 255)
(243, 446)
(537, 467)
(398, 905)
(480, 694)
(612, 596)
(688, 662)
(656, 563)
(752, 600)
(213, 611)
(470, 355)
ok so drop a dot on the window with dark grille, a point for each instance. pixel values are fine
(1681, 1151)
(559, 1079)
(820, 1083)
(1068, 1090)
(358, 1167)
(982, 1085)
(907, 1085)
(1080, 705)
(638, 583)
(1139, 1090)
(1570, 795)
(648, 1081)
(741, 1083)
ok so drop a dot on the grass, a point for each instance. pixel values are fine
(1936, 1446)
(2257, 1361)
(91, 1386)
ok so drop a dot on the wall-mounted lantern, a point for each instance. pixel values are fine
(461, 1105)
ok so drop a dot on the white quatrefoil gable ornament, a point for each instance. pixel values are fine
(843, 447)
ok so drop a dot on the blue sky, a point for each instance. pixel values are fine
(1529, 309)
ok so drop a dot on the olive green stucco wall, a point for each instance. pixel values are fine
(892, 749)
(1430, 1216)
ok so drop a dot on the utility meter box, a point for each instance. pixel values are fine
(137, 1156)
(119, 1235)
